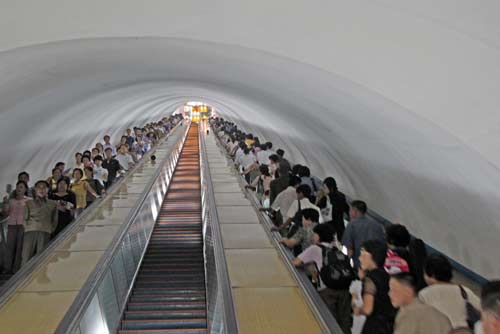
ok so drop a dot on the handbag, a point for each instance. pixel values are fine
(473, 314)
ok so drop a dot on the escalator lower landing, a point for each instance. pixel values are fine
(169, 294)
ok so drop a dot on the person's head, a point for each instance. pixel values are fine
(123, 139)
(56, 173)
(322, 233)
(397, 236)
(294, 181)
(304, 171)
(358, 209)
(295, 169)
(86, 160)
(263, 147)
(269, 145)
(77, 174)
(108, 152)
(78, 157)
(264, 170)
(437, 269)
(21, 188)
(129, 132)
(61, 166)
(98, 160)
(303, 191)
(153, 158)
(331, 184)
(123, 149)
(309, 217)
(23, 176)
(280, 152)
(490, 305)
(95, 152)
(41, 188)
(246, 150)
(402, 289)
(373, 254)
(274, 158)
(62, 185)
(86, 153)
(89, 172)
(99, 147)
(106, 139)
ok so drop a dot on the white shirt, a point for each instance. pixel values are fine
(284, 200)
(99, 173)
(304, 204)
(247, 160)
(263, 157)
(125, 160)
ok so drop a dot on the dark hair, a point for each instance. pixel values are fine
(97, 157)
(263, 147)
(63, 179)
(360, 206)
(23, 173)
(264, 170)
(398, 235)
(331, 184)
(22, 182)
(294, 180)
(90, 169)
(304, 171)
(490, 297)
(377, 249)
(60, 163)
(87, 152)
(310, 214)
(280, 152)
(295, 169)
(95, 148)
(42, 181)
(78, 153)
(269, 145)
(153, 157)
(304, 189)
(86, 156)
(324, 231)
(438, 267)
(54, 169)
(78, 170)
(108, 149)
(246, 150)
(417, 255)
(274, 158)
(407, 279)
(106, 136)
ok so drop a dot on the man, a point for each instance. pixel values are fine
(303, 191)
(283, 161)
(130, 138)
(124, 158)
(107, 144)
(112, 165)
(280, 184)
(414, 317)
(490, 302)
(264, 153)
(41, 221)
(359, 230)
(100, 173)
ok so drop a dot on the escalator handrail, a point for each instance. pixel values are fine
(11, 286)
(83, 299)
(229, 314)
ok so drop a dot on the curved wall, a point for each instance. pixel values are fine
(397, 100)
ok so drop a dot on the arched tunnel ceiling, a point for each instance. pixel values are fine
(396, 99)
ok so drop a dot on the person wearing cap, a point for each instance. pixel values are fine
(40, 221)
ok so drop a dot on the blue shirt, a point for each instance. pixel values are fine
(358, 231)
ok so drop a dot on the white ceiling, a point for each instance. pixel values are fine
(397, 99)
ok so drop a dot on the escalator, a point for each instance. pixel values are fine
(169, 293)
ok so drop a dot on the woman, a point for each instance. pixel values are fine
(333, 206)
(249, 164)
(100, 148)
(15, 210)
(67, 199)
(87, 162)
(78, 161)
(262, 183)
(80, 187)
(52, 180)
(377, 306)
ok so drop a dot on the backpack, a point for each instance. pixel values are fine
(337, 272)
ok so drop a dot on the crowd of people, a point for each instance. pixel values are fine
(374, 280)
(37, 214)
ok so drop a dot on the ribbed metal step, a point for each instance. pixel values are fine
(169, 292)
